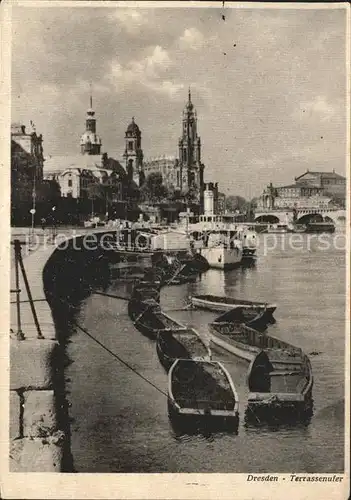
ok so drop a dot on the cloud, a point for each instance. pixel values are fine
(148, 71)
(251, 78)
(192, 38)
(130, 19)
(319, 108)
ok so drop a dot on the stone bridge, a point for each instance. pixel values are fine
(303, 215)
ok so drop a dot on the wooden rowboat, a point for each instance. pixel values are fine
(183, 343)
(244, 340)
(201, 391)
(281, 379)
(279, 374)
(145, 294)
(149, 319)
(223, 304)
(258, 319)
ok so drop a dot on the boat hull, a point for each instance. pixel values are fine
(222, 258)
(168, 352)
(241, 351)
(201, 392)
(280, 380)
(189, 423)
(228, 305)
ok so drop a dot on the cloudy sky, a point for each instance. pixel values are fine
(268, 84)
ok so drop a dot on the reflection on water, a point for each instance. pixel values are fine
(121, 423)
(277, 419)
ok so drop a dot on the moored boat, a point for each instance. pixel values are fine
(279, 374)
(280, 379)
(149, 319)
(146, 294)
(258, 319)
(236, 337)
(222, 257)
(180, 344)
(201, 391)
(223, 304)
(279, 228)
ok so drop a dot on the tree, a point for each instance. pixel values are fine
(48, 192)
(153, 190)
(95, 193)
(337, 199)
(234, 203)
(177, 195)
(191, 195)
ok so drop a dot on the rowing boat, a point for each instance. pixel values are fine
(279, 374)
(146, 294)
(181, 343)
(222, 304)
(201, 391)
(258, 319)
(243, 339)
(280, 379)
(150, 320)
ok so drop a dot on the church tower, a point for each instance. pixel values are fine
(190, 149)
(133, 153)
(90, 142)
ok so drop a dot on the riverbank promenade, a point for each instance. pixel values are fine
(37, 438)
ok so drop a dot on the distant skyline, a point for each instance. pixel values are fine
(269, 85)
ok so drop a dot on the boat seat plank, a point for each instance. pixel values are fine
(283, 373)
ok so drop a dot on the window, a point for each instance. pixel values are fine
(130, 145)
(69, 182)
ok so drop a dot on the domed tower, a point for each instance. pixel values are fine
(190, 148)
(90, 142)
(133, 153)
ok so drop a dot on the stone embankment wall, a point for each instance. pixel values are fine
(39, 421)
(36, 441)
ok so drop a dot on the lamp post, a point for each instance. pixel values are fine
(33, 209)
(54, 232)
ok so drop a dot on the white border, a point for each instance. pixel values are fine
(137, 486)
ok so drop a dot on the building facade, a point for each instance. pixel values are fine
(133, 154)
(210, 198)
(168, 167)
(191, 170)
(331, 183)
(293, 196)
(78, 174)
(186, 171)
(27, 151)
(311, 190)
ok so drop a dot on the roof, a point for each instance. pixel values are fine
(91, 137)
(321, 174)
(116, 166)
(289, 186)
(133, 127)
(61, 163)
(99, 174)
(300, 186)
(159, 159)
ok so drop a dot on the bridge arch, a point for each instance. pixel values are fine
(309, 217)
(267, 219)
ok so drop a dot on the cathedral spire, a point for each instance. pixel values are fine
(90, 142)
(189, 94)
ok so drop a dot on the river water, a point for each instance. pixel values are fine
(120, 423)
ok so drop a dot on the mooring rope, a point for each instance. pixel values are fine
(122, 361)
(84, 330)
(110, 295)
